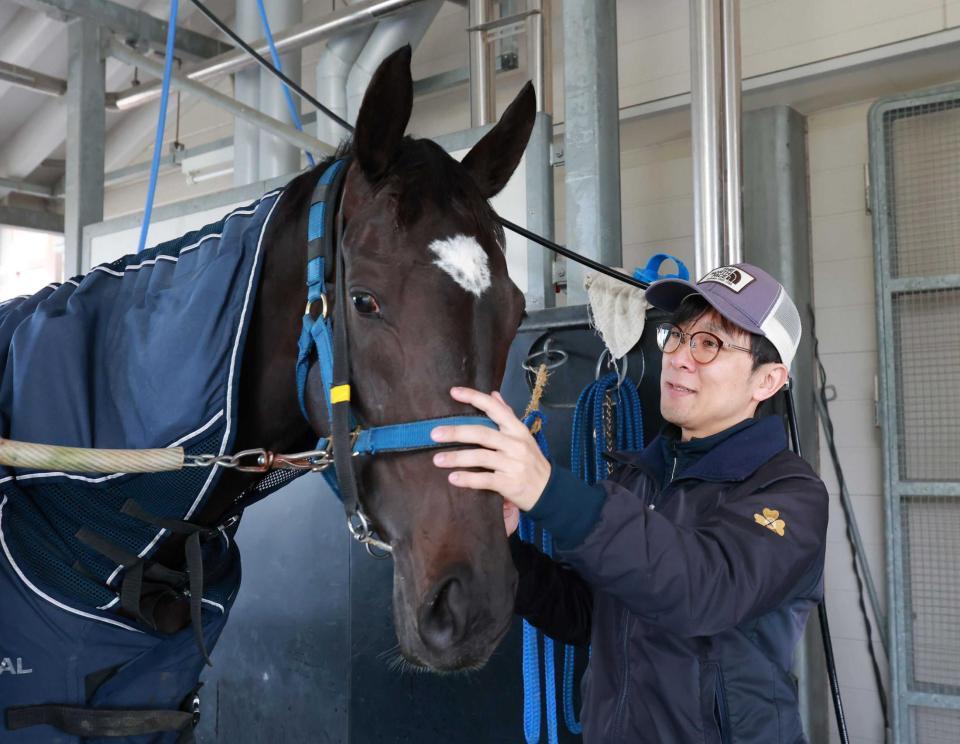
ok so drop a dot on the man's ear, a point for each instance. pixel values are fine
(769, 379)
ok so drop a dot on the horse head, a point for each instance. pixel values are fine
(430, 305)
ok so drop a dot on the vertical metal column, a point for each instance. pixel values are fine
(776, 235)
(246, 136)
(482, 99)
(591, 137)
(705, 113)
(715, 121)
(278, 158)
(86, 123)
(732, 203)
(539, 58)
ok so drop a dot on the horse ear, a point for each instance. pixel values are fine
(493, 159)
(384, 114)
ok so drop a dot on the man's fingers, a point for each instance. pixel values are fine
(474, 458)
(470, 434)
(492, 405)
(476, 481)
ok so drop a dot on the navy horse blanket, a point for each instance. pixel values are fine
(143, 352)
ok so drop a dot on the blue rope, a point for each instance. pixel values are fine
(531, 661)
(291, 105)
(587, 447)
(158, 139)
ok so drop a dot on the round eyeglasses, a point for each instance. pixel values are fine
(704, 346)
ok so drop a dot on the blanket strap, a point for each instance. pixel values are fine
(108, 722)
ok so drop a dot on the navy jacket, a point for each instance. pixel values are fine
(694, 584)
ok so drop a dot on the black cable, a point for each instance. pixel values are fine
(827, 423)
(267, 66)
(556, 248)
(822, 607)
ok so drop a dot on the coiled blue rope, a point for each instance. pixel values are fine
(531, 661)
(158, 139)
(588, 444)
(291, 105)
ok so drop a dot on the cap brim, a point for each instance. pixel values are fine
(668, 294)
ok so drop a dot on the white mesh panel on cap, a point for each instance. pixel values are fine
(782, 327)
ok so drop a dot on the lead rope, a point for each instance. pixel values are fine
(533, 419)
(607, 417)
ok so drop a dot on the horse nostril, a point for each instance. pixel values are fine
(443, 621)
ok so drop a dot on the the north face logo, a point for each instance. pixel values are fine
(730, 277)
(9, 665)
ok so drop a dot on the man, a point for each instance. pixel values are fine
(692, 570)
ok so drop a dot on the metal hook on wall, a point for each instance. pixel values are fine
(548, 356)
(612, 365)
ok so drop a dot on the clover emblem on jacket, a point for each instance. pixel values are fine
(771, 520)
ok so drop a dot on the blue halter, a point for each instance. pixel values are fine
(317, 336)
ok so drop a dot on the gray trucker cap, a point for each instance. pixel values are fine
(744, 294)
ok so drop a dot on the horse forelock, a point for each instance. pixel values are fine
(427, 179)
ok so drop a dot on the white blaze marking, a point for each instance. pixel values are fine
(463, 259)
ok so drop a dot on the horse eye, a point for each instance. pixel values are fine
(366, 303)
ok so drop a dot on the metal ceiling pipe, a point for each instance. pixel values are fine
(386, 38)
(277, 156)
(246, 89)
(339, 22)
(483, 106)
(539, 60)
(732, 165)
(337, 58)
(705, 113)
(291, 135)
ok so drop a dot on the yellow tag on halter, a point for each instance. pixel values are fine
(340, 394)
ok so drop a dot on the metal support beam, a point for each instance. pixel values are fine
(31, 219)
(289, 134)
(276, 155)
(246, 89)
(132, 25)
(483, 107)
(776, 234)
(24, 78)
(86, 126)
(24, 187)
(592, 137)
(344, 19)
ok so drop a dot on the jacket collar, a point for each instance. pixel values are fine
(735, 458)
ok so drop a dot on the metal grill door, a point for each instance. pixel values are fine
(915, 190)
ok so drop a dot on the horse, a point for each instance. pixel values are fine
(423, 300)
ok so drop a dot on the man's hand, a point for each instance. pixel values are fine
(511, 462)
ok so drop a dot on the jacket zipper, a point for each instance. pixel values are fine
(625, 679)
(721, 701)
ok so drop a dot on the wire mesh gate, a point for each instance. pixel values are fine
(915, 190)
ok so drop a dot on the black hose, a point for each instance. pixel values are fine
(821, 608)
